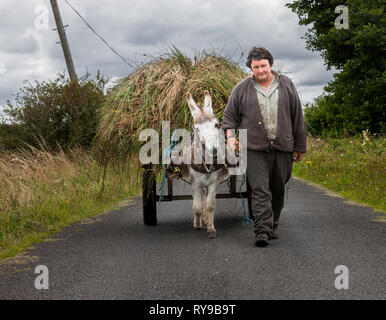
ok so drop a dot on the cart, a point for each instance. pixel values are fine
(150, 196)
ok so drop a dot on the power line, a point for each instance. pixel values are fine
(92, 29)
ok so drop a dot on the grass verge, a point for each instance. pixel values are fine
(353, 167)
(42, 192)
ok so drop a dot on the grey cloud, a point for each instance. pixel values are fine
(142, 27)
(16, 25)
(15, 17)
(22, 45)
(145, 34)
(308, 72)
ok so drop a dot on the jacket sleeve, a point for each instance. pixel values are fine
(231, 115)
(298, 124)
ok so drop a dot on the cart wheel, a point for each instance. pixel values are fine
(149, 196)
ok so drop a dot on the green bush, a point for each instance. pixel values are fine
(59, 112)
(355, 99)
(352, 166)
(10, 136)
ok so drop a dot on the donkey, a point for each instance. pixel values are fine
(204, 176)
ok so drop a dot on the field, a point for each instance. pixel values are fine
(41, 192)
(353, 167)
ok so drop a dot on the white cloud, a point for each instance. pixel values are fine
(111, 84)
(2, 69)
(146, 26)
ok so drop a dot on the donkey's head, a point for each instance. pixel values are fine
(206, 125)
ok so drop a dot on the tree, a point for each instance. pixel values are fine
(60, 112)
(10, 136)
(355, 99)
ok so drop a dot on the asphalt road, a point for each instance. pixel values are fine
(115, 256)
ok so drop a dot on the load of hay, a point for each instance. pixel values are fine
(156, 92)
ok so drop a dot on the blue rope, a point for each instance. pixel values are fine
(246, 220)
(165, 156)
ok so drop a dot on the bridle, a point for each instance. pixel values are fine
(214, 166)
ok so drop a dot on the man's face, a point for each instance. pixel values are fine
(261, 69)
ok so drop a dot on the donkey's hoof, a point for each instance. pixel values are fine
(197, 226)
(211, 234)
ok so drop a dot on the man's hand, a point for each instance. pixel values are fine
(297, 156)
(233, 144)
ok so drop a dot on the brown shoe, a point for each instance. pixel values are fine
(262, 240)
(274, 234)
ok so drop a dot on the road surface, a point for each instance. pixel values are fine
(114, 256)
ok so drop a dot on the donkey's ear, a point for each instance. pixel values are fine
(192, 105)
(207, 102)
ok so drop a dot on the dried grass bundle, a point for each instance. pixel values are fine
(156, 92)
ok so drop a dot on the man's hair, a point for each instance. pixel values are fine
(258, 54)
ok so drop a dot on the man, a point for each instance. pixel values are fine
(268, 106)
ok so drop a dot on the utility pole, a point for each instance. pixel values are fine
(63, 40)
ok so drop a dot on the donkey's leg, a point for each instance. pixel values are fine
(203, 201)
(210, 207)
(197, 206)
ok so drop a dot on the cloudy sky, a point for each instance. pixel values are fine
(29, 49)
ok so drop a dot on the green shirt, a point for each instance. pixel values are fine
(242, 112)
(268, 107)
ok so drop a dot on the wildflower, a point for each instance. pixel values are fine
(366, 134)
(308, 162)
(366, 138)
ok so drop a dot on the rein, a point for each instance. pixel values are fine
(198, 167)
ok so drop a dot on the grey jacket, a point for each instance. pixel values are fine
(243, 111)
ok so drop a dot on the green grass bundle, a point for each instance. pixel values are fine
(156, 92)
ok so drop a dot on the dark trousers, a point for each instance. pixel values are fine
(267, 173)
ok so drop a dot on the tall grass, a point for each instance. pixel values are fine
(40, 192)
(156, 92)
(354, 167)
